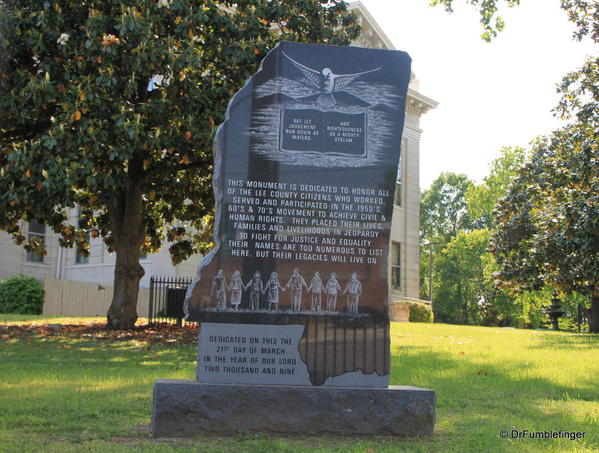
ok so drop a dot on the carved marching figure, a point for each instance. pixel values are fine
(354, 290)
(236, 287)
(272, 288)
(219, 285)
(316, 288)
(331, 289)
(256, 288)
(296, 283)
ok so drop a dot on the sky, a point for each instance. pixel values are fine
(490, 95)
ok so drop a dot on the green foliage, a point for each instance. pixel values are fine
(21, 295)
(460, 283)
(549, 222)
(585, 15)
(443, 213)
(443, 208)
(489, 19)
(78, 125)
(496, 307)
(456, 217)
(532, 305)
(420, 312)
(542, 209)
(482, 198)
(548, 230)
(579, 93)
(463, 268)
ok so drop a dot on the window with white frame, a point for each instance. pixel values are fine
(79, 257)
(37, 230)
(396, 265)
(398, 194)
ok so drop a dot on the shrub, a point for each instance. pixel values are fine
(21, 295)
(420, 313)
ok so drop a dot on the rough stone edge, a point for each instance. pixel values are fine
(218, 183)
(177, 419)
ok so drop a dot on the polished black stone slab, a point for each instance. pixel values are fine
(304, 177)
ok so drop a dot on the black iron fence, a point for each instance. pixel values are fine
(167, 295)
(582, 317)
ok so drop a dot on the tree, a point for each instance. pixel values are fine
(443, 214)
(482, 198)
(464, 289)
(495, 306)
(443, 208)
(460, 286)
(557, 190)
(549, 222)
(112, 106)
(491, 22)
(583, 13)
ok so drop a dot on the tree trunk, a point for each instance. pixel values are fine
(430, 274)
(463, 304)
(122, 313)
(128, 234)
(594, 313)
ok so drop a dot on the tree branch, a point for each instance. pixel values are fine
(25, 132)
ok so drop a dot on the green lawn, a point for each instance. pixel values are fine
(60, 394)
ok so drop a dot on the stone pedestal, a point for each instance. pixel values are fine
(184, 408)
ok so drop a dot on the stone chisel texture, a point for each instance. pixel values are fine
(190, 408)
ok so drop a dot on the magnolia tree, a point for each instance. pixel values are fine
(112, 107)
(548, 225)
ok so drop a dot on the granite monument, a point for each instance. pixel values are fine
(295, 292)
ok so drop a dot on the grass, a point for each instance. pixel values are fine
(61, 394)
(10, 319)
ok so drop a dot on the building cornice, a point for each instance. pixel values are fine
(373, 36)
(418, 104)
(375, 28)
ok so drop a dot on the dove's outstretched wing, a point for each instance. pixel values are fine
(313, 76)
(343, 80)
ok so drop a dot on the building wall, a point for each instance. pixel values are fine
(101, 263)
(78, 299)
(405, 228)
(101, 268)
(410, 215)
(60, 263)
(10, 256)
(406, 217)
(13, 258)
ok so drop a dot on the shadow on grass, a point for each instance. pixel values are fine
(79, 391)
(567, 341)
(482, 398)
(459, 372)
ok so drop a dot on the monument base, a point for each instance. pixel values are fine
(183, 408)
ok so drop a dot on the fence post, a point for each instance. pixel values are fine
(166, 298)
(151, 302)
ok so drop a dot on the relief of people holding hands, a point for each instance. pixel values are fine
(272, 288)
